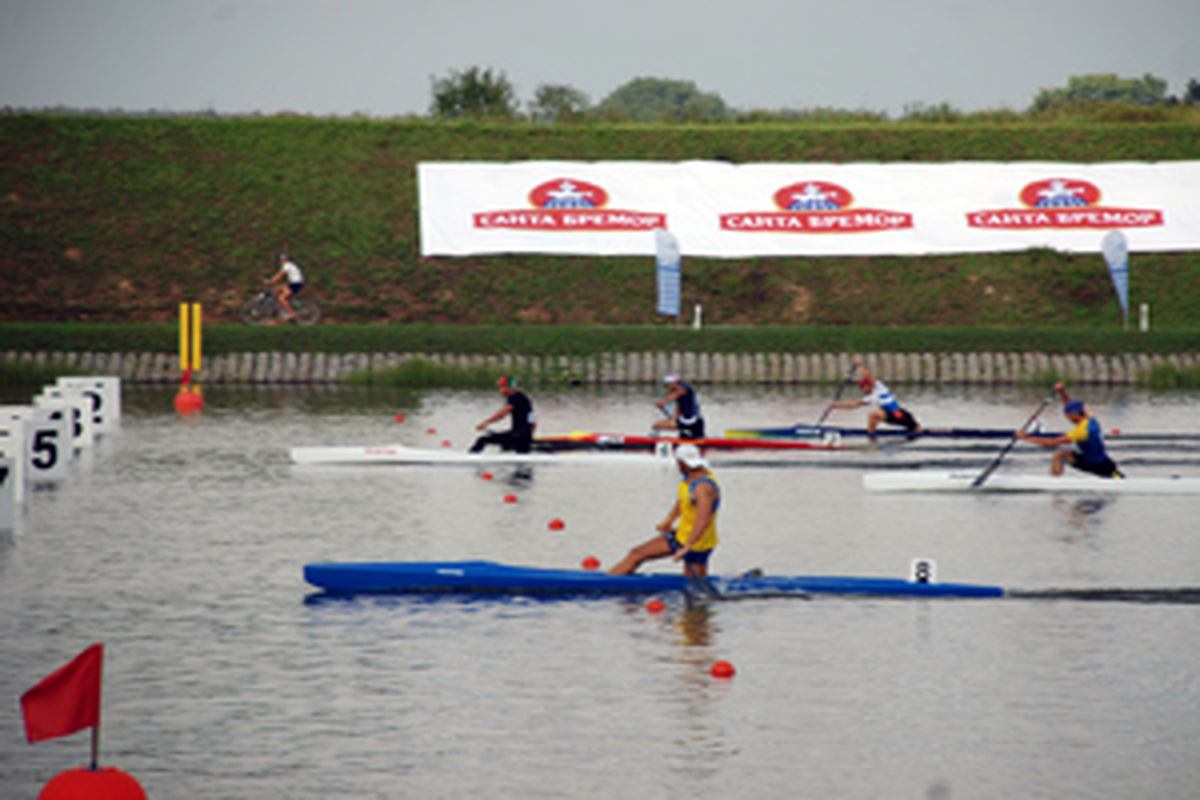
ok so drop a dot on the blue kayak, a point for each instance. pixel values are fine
(487, 577)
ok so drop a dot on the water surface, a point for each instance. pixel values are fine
(179, 543)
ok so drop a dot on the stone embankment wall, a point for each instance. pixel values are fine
(633, 368)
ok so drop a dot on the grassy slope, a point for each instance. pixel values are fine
(120, 219)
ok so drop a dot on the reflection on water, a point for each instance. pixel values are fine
(694, 622)
(180, 544)
(1082, 516)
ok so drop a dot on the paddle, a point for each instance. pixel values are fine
(983, 476)
(845, 382)
(701, 586)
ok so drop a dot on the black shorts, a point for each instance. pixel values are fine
(691, 556)
(1105, 469)
(519, 441)
(900, 417)
(691, 430)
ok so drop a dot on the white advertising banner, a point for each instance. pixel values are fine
(725, 210)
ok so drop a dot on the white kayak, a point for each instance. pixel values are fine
(962, 480)
(401, 454)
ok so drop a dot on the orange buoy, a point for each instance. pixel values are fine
(445, 442)
(431, 431)
(591, 562)
(556, 524)
(723, 669)
(656, 606)
(107, 782)
(188, 402)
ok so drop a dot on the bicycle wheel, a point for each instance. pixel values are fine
(257, 310)
(308, 311)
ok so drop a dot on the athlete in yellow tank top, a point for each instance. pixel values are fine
(707, 538)
(689, 531)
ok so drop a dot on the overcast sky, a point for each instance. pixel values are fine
(341, 57)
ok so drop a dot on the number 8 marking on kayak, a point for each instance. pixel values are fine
(923, 570)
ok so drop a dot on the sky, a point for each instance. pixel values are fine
(378, 57)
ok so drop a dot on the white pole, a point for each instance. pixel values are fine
(696, 314)
(1144, 317)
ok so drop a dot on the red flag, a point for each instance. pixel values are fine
(67, 700)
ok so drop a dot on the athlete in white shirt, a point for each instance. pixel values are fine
(887, 409)
(287, 282)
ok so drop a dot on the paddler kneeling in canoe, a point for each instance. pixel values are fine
(519, 438)
(693, 539)
(887, 409)
(1089, 454)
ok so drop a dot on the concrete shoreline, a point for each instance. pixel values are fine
(982, 369)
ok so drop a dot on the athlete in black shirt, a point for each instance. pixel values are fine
(520, 437)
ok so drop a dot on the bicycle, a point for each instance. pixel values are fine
(263, 308)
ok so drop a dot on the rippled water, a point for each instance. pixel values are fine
(179, 543)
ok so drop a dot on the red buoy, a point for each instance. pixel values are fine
(399, 418)
(723, 669)
(188, 402)
(83, 782)
(510, 498)
(445, 442)
(487, 476)
(591, 562)
(656, 606)
(556, 524)
(431, 431)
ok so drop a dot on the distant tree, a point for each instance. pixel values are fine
(1103, 88)
(663, 100)
(473, 94)
(557, 103)
(1192, 96)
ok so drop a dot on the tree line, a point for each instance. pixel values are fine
(482, 93)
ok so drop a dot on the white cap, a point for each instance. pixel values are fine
(670, 377)
(689, 454)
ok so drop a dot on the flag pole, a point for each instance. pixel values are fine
(95, 747)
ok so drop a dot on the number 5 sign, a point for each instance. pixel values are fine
(48, 448)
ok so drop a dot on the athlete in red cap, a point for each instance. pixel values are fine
(887, 408)
(1089, 454)
(519, 437)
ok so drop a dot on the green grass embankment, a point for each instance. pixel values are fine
(119, 220)
(587, 340)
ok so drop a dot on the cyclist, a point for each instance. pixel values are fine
(287, 282)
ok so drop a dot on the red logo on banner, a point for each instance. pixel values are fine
(1063, 203)
(568, 204)
(566, 193)
(815, 207)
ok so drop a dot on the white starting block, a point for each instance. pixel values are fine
(75, 408)
(8, 501)
(12, 447)
(46, 445)
(104, 394)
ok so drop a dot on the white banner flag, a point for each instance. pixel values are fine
(668, 273)
(1116, 254)
(725, 210)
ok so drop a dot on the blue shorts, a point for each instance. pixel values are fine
(693, 556)
(295, 287)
